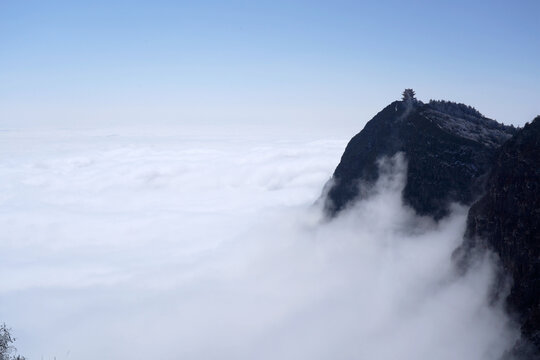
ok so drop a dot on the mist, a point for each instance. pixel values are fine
(173, 246)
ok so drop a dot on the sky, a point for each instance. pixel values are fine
(328, 65)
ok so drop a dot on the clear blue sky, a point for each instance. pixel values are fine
(95, 63)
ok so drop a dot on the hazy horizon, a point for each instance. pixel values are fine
(288, 63)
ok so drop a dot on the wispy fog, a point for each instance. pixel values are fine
(209, 247)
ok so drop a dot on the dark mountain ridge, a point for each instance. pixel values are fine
(455, 154)
(448, 146)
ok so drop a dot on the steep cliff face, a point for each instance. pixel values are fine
(448, 147)
(507, 220)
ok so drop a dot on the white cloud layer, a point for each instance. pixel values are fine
(173, 247)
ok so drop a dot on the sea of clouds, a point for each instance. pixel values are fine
(167, 245)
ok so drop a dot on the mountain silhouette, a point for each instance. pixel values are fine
(455, 154)
(449, 148)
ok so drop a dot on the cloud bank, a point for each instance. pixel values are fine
(126, 247)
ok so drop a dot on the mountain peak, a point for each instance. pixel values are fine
(448, 148)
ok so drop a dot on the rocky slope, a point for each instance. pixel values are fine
(507, 220)
(449, 147)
